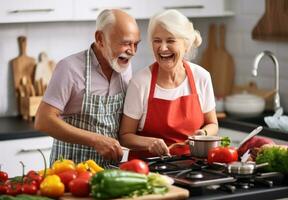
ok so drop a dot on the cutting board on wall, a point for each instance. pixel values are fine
(23, 65)
(223, 70)
(175, 193)
(209, 53)
(273, 25)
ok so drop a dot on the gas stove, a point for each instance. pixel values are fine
(197, 176)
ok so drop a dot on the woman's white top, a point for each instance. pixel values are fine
(136, 100)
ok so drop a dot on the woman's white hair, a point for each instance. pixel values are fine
(106, 17)
(179, 26)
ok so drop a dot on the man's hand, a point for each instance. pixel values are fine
(109, 148)
(158, 147)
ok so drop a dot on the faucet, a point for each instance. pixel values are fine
(276, 64)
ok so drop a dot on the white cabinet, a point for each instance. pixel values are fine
(25, 150)
(36, 11)
(191, 8)
(90, 9)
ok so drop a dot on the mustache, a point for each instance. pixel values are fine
(125, 55)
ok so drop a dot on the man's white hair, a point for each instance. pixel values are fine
(105, 18)
(179, 26)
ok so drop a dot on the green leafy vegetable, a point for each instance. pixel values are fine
(225, 141)
(276, 156)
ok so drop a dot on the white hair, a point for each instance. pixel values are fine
(106, 17)
(178, 25)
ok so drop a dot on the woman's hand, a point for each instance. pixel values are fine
(158, 147)
(200, 132)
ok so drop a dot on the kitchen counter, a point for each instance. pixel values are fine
(16, 128)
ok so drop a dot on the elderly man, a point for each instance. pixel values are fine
(83, 103)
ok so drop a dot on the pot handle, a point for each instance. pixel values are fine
(177, 144)
(261, 165)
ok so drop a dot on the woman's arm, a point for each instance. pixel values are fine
(210, 124)
(129, 139)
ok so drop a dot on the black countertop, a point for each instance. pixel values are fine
(16, 128)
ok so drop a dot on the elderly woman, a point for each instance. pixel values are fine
(171, 99)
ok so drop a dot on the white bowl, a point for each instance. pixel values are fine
(245, 105)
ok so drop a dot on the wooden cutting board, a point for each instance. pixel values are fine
(209, 53)
(273, 25)
(223, 71)
(22, 65)
(175, 193)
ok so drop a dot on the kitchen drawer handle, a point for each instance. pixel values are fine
(122, 8)
(32, 10)
(34, 150)
(184, 7)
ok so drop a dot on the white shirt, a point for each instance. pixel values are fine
(136, 100)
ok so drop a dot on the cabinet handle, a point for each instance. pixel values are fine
(184, 7)
(32, 10)
(122, 8)
(34, 150)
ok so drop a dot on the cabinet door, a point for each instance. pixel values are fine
(36, 11)
(25, 150)
(90, 9)
(192, 8)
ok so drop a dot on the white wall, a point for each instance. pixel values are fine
(61, 39)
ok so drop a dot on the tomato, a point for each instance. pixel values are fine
(67, 176)
(79, 187)
(29, 188)
(33, 177)
(135, 165)
(13, 188)
(222, 154)
(3, 176)
(3, 188)
(85, 175)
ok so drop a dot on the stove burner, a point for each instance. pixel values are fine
(195, 175)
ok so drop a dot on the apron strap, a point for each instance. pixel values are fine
(88, 72)
(155, 68)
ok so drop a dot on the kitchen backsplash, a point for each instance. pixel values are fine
(64, 38)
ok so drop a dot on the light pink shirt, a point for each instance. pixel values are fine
(67, 85)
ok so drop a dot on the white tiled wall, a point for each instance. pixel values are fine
(61, 39)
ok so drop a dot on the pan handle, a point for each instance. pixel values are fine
(177, 144)
(261, 165)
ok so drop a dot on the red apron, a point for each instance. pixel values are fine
(171, 120)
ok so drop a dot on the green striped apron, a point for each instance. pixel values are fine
(99, 114)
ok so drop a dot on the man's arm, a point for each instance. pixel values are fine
(48, 120)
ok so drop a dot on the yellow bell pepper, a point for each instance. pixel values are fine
(49, 171)
(82, 167)
(93, 167)
(63, 165)
(52, 186)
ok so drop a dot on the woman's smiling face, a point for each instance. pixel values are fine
(168, 50)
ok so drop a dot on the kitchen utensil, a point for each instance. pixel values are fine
(251, 134)
(200, 145)
(241, 168)
(44, 68)
(22, 65)
(271, 26)
(222, 72)
(175, 193)
(244, 105)
(208, 55)
(245, 156)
